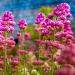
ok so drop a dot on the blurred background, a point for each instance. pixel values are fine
(28, 9)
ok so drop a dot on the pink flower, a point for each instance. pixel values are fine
(43, 24)
(2, 39)
(50, 28)
(22, 24)
(69, 15)
(1, 32)
(38, 62)
(8, 16)
(11, 29)
(14, 61)
(66, 70)
(2, 28)
(50, 16)
(62, 9)
(1, 69)
(1, 47)
(62, 17)
(39, 18)
(23, 52)
(1, 62)
(11, 23)
(44, 32)
(27, 35)
(37, 29)
(18, 34)
(11, 42)
(11, 38)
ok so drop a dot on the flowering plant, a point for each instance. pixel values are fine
(51, 52)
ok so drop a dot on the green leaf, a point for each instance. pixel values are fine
(43, 58)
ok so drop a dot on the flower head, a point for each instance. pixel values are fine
(22, 24)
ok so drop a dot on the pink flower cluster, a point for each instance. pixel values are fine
(48, 25)
(7, 42)
(14, 62)
(38, 62)
(63, 41)
(7, 22)
(40, 17)
(66, 70)
(52, 52)
(62, 10)
(10, 42)
(22, 24)
(6, 27)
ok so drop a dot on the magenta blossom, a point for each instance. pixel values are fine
(22, 24)
(40, 17)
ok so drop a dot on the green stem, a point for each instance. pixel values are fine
(5, 54)
(24, 68)
(22, 47)
(52, 54)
